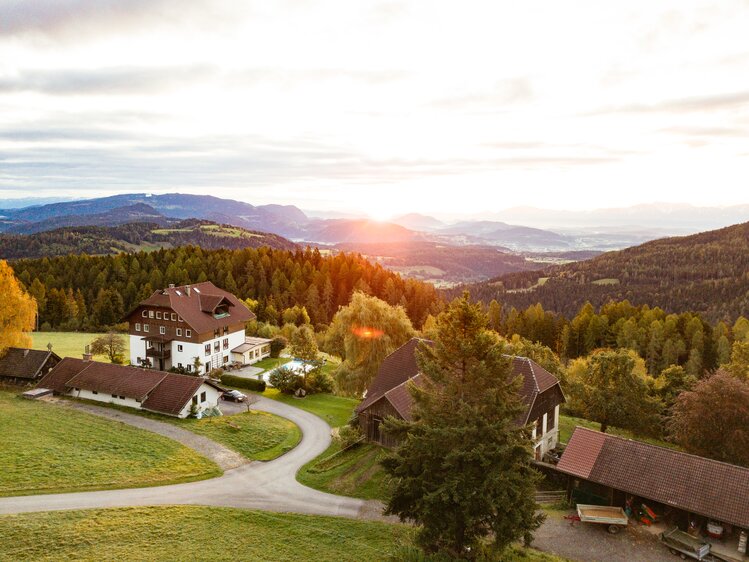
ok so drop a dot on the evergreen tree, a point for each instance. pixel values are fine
(463, 470)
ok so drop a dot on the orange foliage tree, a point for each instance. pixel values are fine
(17, 311)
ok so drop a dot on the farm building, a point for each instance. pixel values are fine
(25, 366)
(691, 492)
(251, 351)
(146, 389)
(388, 396)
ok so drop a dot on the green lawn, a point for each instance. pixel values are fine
(270, 363)
(256, 435)
(356, 472)
(71, 344)
(567, 425)
(47, 448)
(177, 533)
(336, 410)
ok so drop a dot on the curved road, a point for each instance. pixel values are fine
(269, 486)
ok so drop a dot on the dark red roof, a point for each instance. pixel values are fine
(65, 370)
(695, 484)
(400, 366)
(173, 393)
(196, 306)
(131, 382)
(166, 393)
(25, 363)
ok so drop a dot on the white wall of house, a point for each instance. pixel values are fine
(186, 354)
(252, 355)
(211, 400)
(105, 397)
(544, 440)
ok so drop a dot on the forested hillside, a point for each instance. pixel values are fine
(706, 273)
(91, 292)
(97, 240)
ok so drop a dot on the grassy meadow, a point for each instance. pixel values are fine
(72, 344)
(48, 449)
(177, 533)
(355, 472)
(336, 410)
(255, 435)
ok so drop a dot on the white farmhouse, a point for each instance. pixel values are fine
(184, 326)
(135, 387)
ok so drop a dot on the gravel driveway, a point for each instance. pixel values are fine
(587, 542)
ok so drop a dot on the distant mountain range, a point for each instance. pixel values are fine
(133, 237)
(704, 272)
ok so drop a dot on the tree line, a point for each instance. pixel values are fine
(82, 292)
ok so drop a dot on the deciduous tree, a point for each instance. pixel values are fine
(111, 344)
(17, 311)
(713, 419)
(363, 334)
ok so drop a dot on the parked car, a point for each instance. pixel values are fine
(234, 396)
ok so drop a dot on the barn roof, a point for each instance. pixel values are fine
(695, 484)
(401, 366)
(24, 363)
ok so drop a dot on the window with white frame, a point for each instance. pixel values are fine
(188, 333)
(162, 330)
(207, 349)
(158, 315)
(179, 331)
(145, 327)
(144, 313)
(150, 313)
(179, 348)
(137, 326)
(174, 316)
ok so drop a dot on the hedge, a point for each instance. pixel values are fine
(241, 382)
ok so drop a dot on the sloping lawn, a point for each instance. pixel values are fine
(47, 449)
(72, 344)
(177, 533)
(355, 472)
(256, 435)
(336, 410)
(567, 426)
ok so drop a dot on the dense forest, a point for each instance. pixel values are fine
(706, 273)
(98, 240)
(91, 292)
(661, 339)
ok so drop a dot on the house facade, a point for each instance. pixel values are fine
(26, 366)
(388, 396)
(251, 351)
(142, 389)
(185, 326)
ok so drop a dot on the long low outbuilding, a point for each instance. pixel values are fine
(144, 389)
(683, 484)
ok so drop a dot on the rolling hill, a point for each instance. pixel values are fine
(706, 273)
(133, 237)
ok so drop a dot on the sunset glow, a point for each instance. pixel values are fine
(367, 333)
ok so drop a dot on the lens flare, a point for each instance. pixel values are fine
(366, 332)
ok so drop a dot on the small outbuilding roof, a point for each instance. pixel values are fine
(250, 343)
(23, 363)
(695, 484)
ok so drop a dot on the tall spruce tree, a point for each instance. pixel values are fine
(462, 471)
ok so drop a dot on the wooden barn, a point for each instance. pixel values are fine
(388, 395)
(25, 366)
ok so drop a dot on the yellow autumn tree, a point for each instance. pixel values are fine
(17, 311)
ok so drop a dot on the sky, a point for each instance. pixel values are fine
(378, 107)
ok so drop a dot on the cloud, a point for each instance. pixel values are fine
(683, 105)
(705, 131)
(505, 92)
(77, 19)
(117, 80)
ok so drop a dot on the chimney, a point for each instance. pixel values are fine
(87, 354)
(25, 352)
(187, 290)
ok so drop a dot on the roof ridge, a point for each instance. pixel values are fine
(667, 449)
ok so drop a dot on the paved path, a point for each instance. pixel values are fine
(269, 486)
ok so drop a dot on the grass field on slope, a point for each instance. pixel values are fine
(47, 448)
